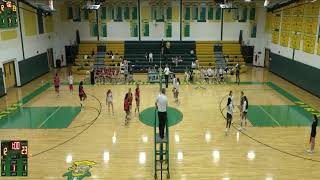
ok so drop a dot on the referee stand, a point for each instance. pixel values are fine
(161, 149)
(161, 146)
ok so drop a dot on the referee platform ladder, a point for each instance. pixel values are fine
(161, 150)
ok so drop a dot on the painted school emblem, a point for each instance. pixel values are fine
(79, 170)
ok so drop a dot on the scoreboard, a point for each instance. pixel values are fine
(8, 15)
(14, 158)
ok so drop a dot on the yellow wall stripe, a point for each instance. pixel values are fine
(7, 35)
(30, 21)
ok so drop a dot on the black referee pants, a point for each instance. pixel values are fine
(167, 80)
(162, 123)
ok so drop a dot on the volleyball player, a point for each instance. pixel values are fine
(130, 97)
(56, 82)
(313, 133)
(174, 83)
(244, 112)
(126, 107)
(240, 108)
(82, 94)
(70, 80)
(110, 100)
(177, 89)
(229, 114)
(137, 98)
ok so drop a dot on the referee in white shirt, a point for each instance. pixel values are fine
(162, 105)
(166, 74)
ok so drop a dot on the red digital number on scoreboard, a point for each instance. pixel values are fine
(15, 146)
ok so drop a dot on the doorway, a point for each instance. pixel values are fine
(9, 74)
(50, 58)
(267, 58)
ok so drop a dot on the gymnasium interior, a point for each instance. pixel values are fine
(267, 49)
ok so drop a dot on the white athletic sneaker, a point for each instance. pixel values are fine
(310, 151)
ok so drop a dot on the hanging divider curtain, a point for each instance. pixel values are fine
(133, 28)
(168, 28)
(103, 31)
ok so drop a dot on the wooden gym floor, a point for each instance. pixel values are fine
(199, 148)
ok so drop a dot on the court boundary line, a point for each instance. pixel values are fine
(55, 111)
(262, 143)
(268, 114)
(99, 110)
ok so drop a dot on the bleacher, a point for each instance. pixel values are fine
(135, 53)
(232, 53)
(100, 58)
(205, 53)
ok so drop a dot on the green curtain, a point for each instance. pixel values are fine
(103, 13)
(169, 29)
(210, 13)
(134, 29)
(119, 14)
(195, 13)
(134, 14)
(186, 30)
(86, 14)
(203, 14)
(244, 15)
(126, 13)
(146, 29)
(218, 13)
(252, 13)
(94, 29)
(254, 31)
(153, 13)
(70, 13)
(187, 13)
(104, 29)
(169, 13)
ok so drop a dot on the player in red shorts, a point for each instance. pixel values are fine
(126, 108)
(56, 82)
(137, 98)
(82, 94)
(130, 97)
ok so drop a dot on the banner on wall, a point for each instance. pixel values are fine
(8, 15)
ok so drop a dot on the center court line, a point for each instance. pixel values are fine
(269, 115)
(49, 116)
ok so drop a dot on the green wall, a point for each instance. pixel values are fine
(33, 67)
(2, 90)
(302, 75)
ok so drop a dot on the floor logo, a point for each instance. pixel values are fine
(79, 170)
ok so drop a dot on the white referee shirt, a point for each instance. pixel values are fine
(162, 103)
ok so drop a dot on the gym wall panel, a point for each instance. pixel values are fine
(302, 75)
(175, 16)
(33, 67)
(29, 21)
(8, 35)
(49, 24)
(2, 88)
